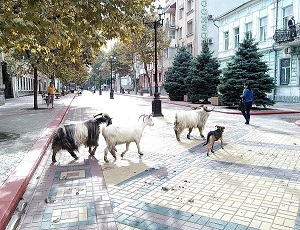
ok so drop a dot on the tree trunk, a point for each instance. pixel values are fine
(35, 87)
(148, 78)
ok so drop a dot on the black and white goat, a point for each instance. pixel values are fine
(191, 119)
(70, 137)
(116, 135)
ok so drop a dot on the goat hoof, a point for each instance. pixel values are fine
(53, 160)
(141, 154)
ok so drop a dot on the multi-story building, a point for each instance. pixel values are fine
(267, 22)
(188, 23)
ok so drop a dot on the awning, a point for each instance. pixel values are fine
(171, 8)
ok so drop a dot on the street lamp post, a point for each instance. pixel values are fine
(156, 103)
(94, 86)
(111, 59)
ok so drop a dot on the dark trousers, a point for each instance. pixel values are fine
(246, 113)
(293, 32)
(50, 99)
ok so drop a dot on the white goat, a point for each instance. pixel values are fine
(116, 135)
(195, 118)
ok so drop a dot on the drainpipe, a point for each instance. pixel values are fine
(276, 53)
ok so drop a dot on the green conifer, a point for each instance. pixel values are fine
(175, 76)
(246, 67)
(203, 77)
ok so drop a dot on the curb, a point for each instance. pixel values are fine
(14, 187)
(185, 104)
(261, 112)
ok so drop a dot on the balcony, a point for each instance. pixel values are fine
(286, 36)
(171, 25)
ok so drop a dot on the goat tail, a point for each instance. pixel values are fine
(176, 120)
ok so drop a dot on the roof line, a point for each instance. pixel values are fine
(232, 10)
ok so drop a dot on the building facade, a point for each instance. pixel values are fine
(267, 22)
(188, 23)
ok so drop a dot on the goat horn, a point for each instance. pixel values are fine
(143, 115)
(98, 115)
(207, 109)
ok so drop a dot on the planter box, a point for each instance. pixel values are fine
(215, 101)
(185, 98)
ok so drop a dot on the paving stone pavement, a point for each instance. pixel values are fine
(253, 183)
(24, 127)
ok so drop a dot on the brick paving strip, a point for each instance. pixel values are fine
(69, 194)
(13, 188)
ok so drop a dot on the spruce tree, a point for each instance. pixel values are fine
(204, 76)
(175, 76)
(246, 67)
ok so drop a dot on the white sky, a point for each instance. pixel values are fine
(110, 43)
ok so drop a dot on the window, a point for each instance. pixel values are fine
(172, 20)
(249, 30)
(226, 40)
(263, 28)
(180, 33)
(180, 13)
(285, 71)
(190, 27)
(236, 37)
(167, 23)
(287, 14)
(172, 34)
(189, 48)
(189, 5)
(166, 53)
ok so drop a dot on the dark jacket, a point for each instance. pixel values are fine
(291, 23)
(248, 95)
